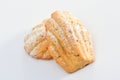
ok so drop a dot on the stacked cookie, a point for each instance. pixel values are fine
(63, 38)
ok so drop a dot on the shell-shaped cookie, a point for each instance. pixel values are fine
(36, 44)
(70, 43)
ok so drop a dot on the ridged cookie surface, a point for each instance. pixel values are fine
(36, 44)
(70, 43)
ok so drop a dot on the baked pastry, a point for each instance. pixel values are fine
(70, 43)
(36, 44)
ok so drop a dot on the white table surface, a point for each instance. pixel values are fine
(101, 18)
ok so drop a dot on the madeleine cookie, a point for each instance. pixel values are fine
(70, 43)
(36, 44)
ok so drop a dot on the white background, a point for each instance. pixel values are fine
(17, 17)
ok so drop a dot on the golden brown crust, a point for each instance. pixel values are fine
(70, 44)
(36, 44)
(64, 38)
